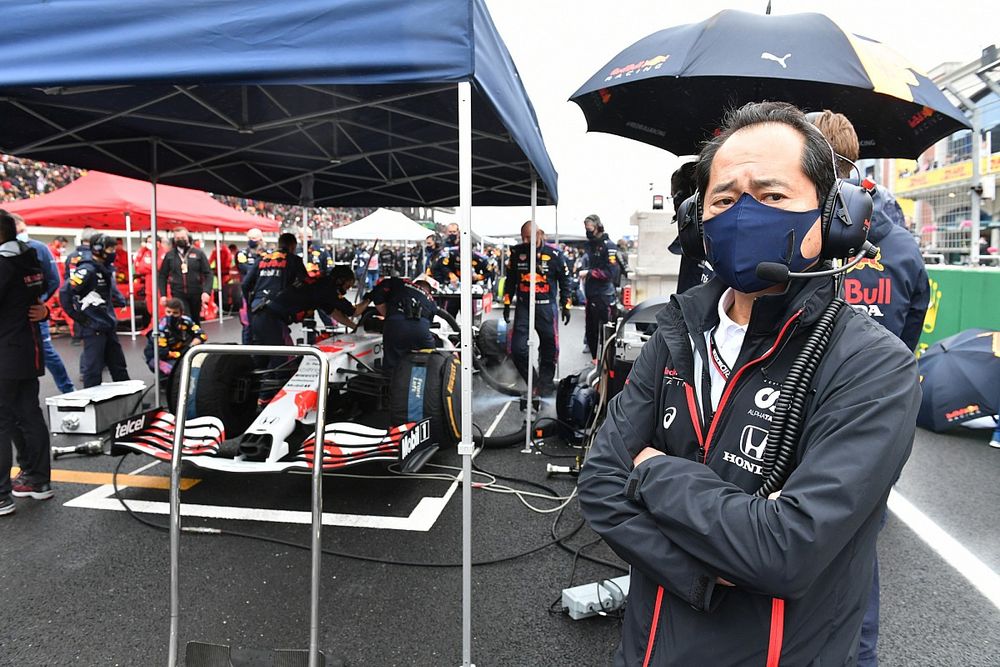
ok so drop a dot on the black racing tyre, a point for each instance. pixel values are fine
(225, 390)
(417, 391)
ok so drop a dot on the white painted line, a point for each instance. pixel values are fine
(421, 519)
(143, 468)
(496, 422)
(965, 563)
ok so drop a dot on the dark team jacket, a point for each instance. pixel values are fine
(21, 285)
(246, 258)
(185, 271)
(295, 302)
(893, 288)
(272, 273)
(176, 336)
(403, 301)
(604, 270)
(447, 264)
(550, 275)
(802, 562)
(79, 254)
(317, 261)
(91, 295)
(386, 261)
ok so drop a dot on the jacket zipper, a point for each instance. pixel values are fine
(732, 383)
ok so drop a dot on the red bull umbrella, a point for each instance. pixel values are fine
(672, 88)
(960, 378)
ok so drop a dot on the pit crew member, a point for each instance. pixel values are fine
(408, 311)
(600, 280)
(550, 277)
(178, 332)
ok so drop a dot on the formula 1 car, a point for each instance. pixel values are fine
(404, 416)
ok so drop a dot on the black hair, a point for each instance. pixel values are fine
(817, 162)
(682, 182)
(341, 274)
(8, 226)
(287, 242)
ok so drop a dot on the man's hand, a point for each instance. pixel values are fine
(647, 453)
(506, 312)
(565, 315)
(37, 312)
(196, 341)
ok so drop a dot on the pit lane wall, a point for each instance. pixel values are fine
(961, 298)
(654, 271)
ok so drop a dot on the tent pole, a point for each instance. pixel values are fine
(466, 448)
(532, 343)
(218, 270)
(568, 269)
(131, 276)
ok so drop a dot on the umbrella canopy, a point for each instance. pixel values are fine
(101, 201)
(382, 224)
(672, 88)
(960, 378)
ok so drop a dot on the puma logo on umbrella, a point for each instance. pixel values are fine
(780, 61)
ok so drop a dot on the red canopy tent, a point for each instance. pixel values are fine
(101, 201)
(105, 201)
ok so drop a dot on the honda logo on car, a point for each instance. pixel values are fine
(415, 437)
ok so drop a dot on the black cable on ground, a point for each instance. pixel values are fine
(331, 552)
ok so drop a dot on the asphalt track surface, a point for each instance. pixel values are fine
(82, 586)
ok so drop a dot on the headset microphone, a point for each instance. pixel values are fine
(779, 273)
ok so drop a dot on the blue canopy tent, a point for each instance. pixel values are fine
(313, 102)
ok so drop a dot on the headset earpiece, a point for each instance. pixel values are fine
(689, 228)
(846, 218)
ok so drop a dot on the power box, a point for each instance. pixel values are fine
(93, 410)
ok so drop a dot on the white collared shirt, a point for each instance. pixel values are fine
(729, 337)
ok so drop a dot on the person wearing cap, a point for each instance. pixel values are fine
(600, 280)
(90, 297)
(550, 277)
(408, 311)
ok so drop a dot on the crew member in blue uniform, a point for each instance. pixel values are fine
(408, 311)
(600, 278)
(326, 295)
(245, 260)
(90, 297)
(274, 272)
(446, 268)
(550, 276)
(892, 288)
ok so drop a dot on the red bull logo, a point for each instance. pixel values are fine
(919, 117)
(656, 62)
(869, 262)
(967, 411)
(856, 293)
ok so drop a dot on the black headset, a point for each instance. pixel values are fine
(99, 243)
(845, 219)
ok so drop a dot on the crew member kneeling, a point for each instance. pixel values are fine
(550, 275)
(723, 575)
(177, 332)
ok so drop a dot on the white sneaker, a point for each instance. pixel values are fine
(995, 444)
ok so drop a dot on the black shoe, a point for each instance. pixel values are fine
(7, 505)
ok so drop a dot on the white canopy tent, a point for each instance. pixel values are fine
(382, 224)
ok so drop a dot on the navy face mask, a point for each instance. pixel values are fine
(748, 233)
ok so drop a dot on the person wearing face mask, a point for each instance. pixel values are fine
(90, 297)
(186, 272)
(178, 332)
(600, 278)
(408, 311)
(730, 564)
(446, 269)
